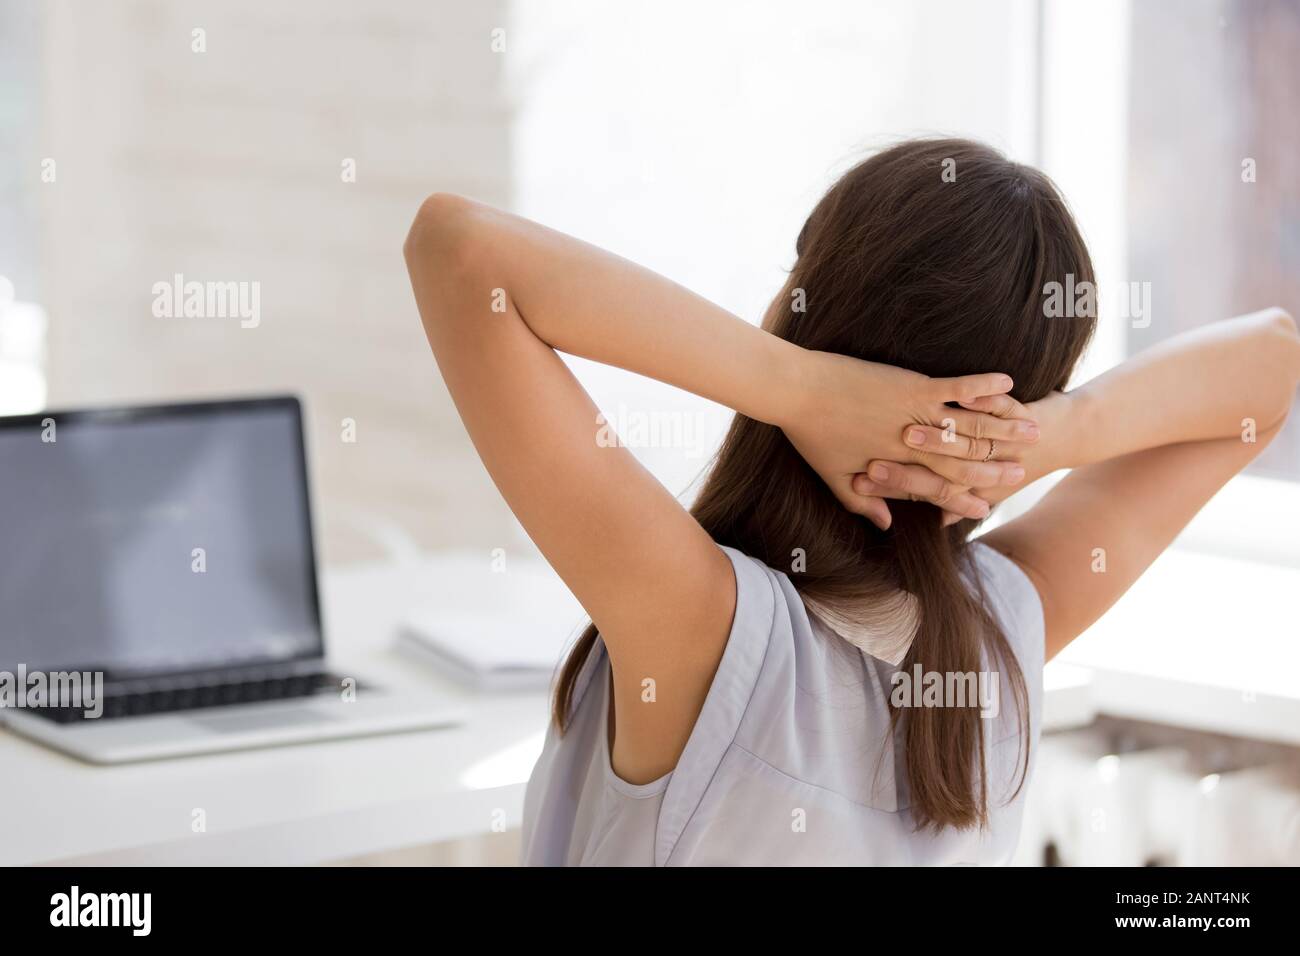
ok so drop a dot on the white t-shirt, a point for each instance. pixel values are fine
(791, 761)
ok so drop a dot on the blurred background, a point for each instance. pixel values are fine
(289, 145)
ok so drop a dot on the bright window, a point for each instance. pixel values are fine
(694, 137)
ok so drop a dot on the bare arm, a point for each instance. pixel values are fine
(498, 296)
(1151, 441)
(1197, 386)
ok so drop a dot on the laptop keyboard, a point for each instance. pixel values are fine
(164, 699)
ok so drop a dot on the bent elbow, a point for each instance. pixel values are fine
(1284, 348)
(439, 234)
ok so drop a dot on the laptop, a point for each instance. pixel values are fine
(166, 553)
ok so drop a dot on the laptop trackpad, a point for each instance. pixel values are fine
(263, 719)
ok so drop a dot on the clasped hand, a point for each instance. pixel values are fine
(874, 432)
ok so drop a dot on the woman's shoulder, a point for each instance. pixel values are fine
(785, 656)
(768, 604)
(1014, 601)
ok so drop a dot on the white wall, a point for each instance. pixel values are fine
(226, 165)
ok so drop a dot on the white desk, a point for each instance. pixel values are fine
(291, 805)
(1209, 643)
(1198, 637)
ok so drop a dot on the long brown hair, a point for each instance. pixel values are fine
(933, 255)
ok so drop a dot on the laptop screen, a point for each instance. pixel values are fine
(156, 539)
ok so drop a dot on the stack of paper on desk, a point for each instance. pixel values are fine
(512, 637)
